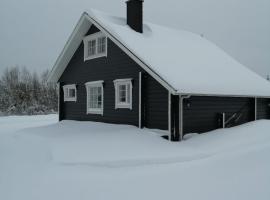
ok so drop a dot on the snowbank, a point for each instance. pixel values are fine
(86, 160)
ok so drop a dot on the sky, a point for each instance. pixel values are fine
(34, 32)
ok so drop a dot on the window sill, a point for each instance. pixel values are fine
(123, 106)
(96, 112)
(70, 100)
(95, 56)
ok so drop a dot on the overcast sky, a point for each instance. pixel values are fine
(33, 32)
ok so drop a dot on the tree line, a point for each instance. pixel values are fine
(27, 93)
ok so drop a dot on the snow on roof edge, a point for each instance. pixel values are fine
(92, 14)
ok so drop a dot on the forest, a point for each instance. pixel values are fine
(27, 93)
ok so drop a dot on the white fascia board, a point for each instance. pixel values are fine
(76, 38)
(132, 55)
(220, 95)
(70, 48)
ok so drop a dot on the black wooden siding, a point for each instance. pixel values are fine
(263, 108)
(117, 65)
(156, 104)
(202, 114)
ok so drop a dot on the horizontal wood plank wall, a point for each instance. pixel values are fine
(117, 65)
(263, 108)
(156, 103)
(201, 113)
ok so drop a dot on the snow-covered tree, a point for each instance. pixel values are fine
(22, 92)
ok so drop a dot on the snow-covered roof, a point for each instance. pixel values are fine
(183, 62)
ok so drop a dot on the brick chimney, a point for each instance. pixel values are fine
(135, 15)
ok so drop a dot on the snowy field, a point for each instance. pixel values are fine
(41, 159)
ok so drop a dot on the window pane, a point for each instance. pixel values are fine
(95, 97)
(101, 44)
(128, 93)
(72, 93)
(91, 47)
(66, 92)
(122, 93)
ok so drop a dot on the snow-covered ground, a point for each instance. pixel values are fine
(45, 160)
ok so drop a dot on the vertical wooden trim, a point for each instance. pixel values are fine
(169, 116)
(223, 120)
(59, 93)
(60, 101)
(140, 99)
(256, 108)
(181, 117)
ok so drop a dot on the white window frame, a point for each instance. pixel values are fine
(88, 85)
(117, 83)
(95, 37)
(66, 89)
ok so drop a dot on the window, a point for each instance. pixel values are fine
(91, 48)
(95, 46)
(123, 93)
(70, 92)
(94, 97)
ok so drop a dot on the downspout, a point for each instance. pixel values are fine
(255, 108)
(169, 117)
(140, 100)
(59, 93)
(181, 99)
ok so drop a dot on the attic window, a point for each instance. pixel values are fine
(95, 46)
(70, 92)
(123, 93)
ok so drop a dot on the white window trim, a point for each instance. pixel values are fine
(68, 87)
(94, 36)
(118, 82)
(91, 110)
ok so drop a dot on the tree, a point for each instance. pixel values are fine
(23, 92)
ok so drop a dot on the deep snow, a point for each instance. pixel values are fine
(180, 57)
(87, 160)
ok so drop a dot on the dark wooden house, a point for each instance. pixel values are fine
(125, 71)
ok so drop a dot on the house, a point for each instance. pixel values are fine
(125, 71)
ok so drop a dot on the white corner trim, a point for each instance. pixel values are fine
(117, 83)
(140, 99)
(169, 116)
(256, 108)
(72, 44)
(66, 89)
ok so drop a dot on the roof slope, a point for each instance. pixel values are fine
(186, 61)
